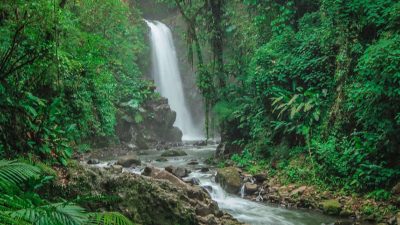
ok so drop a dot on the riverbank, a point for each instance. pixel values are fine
(191, 167)
(268, 187)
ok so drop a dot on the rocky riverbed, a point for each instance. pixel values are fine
(264, 201)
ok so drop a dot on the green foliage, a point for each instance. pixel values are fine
(64, 71)
(109, 218)
(380, 195)
(310, 80)
(19, 205)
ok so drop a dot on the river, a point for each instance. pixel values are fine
(250, 212)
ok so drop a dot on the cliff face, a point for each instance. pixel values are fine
(154, 127)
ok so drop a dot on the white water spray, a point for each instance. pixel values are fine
(167, 78)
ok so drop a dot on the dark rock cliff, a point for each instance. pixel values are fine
(154, 126)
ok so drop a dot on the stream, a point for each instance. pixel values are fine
(250, 212)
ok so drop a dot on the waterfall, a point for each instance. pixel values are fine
(166, 75)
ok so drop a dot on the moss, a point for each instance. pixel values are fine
(142, 200)
(229, 178)
(332, 206)
(172, 153)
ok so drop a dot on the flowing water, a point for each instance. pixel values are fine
(166, 75)
(250, 212)
(165, 72)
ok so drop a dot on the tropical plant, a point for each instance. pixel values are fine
(20, 207)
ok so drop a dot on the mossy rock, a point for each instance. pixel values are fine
(161, 159)
(173, 153)
(229, 178)
(331, 207)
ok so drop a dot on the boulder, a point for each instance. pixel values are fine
(173, 153)
(161, 159)
(129, 161)
(173, 135)
(331, 207)
(178, 171)
(229, 178)
(250, 188)
(116, 168)
(193, 162)
(93, 161)
(164, 175)
(204, 169)
(191, 180)
(260, 177)
(396, 189)
(144, 200)
(298, 191)
(152, 129)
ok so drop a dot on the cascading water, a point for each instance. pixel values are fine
(167, 78)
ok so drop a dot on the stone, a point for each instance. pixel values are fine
(346, 213)
(173, 153)
(193, 162)
(260, 177)
(203, 210)
(161, 159)
(204, 169)
(250, 188)
(177, 171)
(396, 189)
(208, 188)
(229, 178)
(93, 161)
(398, 218)
(331, 207)
(164, 175)
(298, 191)
(191, 180)
(129, 161)
(116, 168)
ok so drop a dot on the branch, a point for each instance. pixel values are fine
(12, 70)
(10, 50)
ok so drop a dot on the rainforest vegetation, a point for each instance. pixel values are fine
(306, 89)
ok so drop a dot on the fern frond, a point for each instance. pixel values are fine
(53, 214)
(14, 173)
(6, 219)
(109, 218)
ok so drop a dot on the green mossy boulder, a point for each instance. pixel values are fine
(331, 207)
(145, 200)
(173, 153)
(229, 178)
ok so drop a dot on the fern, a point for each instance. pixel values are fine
(14, 173)
(28, 208)
(109, 218)
(53, 214)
